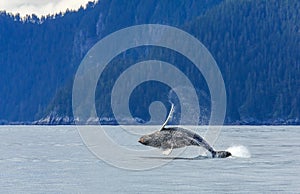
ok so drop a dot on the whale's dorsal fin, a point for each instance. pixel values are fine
(169, 117)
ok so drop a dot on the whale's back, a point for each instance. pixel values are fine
(181, 137)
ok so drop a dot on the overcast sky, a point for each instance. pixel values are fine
(40, 7)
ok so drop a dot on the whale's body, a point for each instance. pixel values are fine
(169, 138)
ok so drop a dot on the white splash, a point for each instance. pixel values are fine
(239, 151)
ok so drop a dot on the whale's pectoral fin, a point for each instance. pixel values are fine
(167, 151)
(221, 154)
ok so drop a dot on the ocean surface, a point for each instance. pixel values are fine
(54, 159)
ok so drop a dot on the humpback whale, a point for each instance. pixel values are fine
(169, 138)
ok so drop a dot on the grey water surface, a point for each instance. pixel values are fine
(54, 159)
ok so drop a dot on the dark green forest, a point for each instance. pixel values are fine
(256, 45)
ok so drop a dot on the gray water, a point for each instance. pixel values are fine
(53, 159)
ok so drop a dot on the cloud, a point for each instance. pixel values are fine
(40, 7)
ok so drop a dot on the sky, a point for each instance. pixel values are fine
(40, 7)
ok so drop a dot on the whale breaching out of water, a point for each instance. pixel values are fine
(169, 138)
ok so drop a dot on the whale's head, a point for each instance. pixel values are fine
(152, 139)
(145, 140)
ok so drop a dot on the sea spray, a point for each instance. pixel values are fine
(239, 151)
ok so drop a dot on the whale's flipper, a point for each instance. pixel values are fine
(167, 151)
(169, 117)
(221, 154)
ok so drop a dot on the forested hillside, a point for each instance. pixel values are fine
(255, 43)
(257, 46)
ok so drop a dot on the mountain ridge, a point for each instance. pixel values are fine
(254, 43)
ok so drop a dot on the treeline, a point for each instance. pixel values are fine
(36, 60)
(256, 44)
